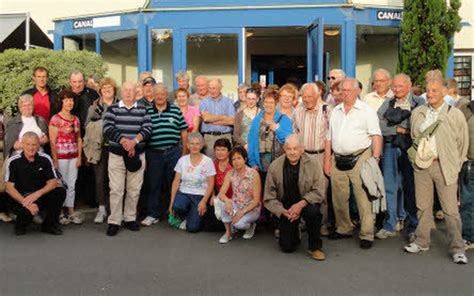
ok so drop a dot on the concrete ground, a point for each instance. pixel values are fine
(160, 260)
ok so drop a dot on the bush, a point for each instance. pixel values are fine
(16, 68)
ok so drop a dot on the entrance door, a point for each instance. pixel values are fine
(315, 50)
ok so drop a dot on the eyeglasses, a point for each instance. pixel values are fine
(331, 78)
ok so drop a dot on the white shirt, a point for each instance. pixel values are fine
(351, 132)
(29, 125)
(431, 117)
(375, 101)
(194, 178)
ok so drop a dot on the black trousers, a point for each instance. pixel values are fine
(49, 204)
(289, 233)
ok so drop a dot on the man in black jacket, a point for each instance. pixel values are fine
(43, 97)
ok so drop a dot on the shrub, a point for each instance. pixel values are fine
(16, 68)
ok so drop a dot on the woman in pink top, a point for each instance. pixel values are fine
(190, 113)
(66, 149)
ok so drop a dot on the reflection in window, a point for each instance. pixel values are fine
(162, 56)
(79, 42)
(119, 50)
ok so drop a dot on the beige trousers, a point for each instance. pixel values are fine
(124, 183)
(340, 181)
(424, 180)
(209, 141)
(324, 188)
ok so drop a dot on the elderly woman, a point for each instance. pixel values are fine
(267, 134)
(244, 117)
(24, 122)
(193, 185)
(243, 210)
(95, 115)
(66, 150)
(241, 103)
(191, 113)
(288, 95)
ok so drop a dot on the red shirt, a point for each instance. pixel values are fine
(220, 175)
(42, 105)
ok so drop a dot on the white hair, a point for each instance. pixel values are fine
(294, 138)
(182, 75)
(339, 71)
(195, 136)
(310, 84)
(381, 71)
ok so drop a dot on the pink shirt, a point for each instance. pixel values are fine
(66, 141)
(189, 115)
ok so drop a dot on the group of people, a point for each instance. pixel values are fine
(324, 161)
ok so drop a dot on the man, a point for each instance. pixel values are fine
(126, 127)
(311, 123)
(334, 76)
(381, 81)
(354, 136)
(167, 144)
(44, 99)
(202, 90)
(182, 80)
(439, 162)
(217, 114)
(147, 89)
(32, 184)
(394, 116)
(291, 192)
(84, 97)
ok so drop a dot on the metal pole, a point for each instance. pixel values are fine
(27, 31)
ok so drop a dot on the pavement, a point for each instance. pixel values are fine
(160, 260)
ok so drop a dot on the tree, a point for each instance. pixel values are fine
(427, 32)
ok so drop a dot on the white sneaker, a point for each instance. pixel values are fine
(383, 234)
(76, 218)
(249, 233)
(63, 220)
(225, 239)
(460, 258)
(148, 221)
(5, 217)
(100, 217)
(414, 248)
(37, 219)
(182, 226)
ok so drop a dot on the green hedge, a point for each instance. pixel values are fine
(16, 67)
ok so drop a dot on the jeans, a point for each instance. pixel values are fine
(466, 180)
(399, 188)
(186, 207)
(160, 174)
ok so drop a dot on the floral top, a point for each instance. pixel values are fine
(220, 176)
(242, 187)
(66, 141)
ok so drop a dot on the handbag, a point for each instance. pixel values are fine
(347, 162)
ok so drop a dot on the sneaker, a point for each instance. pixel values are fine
(468, 245)
(76, 218)
(225, 239)
(460, 258)
(5, 217)
(399, 226)
(317, 255)
(37, 219)
(63, 220)
(249, 233)
(277, 233)
(414, 248)
(383, 234)
(182, 226)
(148, 221)
(100, 217)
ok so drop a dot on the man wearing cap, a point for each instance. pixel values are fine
(217, 114)
(147, 88)
(438, 160)
(126, 127)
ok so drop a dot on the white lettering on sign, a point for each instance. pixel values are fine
(389, 15)
(97, 22)
(81, 24)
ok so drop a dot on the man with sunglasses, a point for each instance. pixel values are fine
(334, 76)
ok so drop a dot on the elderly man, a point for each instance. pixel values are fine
(32, 183)
(334, 76)
(202, 90)
(84, 97)
(43, 97)
(354, 136)
(148, 95)
(394, 116)
(126, 126)
(381, 81)
(217, 114)
(166, 146)
(311, 123)
(439, 162)
(292, 191)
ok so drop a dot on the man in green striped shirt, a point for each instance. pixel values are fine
(169, 132)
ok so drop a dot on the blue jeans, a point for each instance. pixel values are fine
(399, 188)
(466, 180)
(186, 207)
(160, 174)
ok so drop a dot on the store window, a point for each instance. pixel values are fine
(463, 75)
(79, 42)
(162, 56)
(119, 50)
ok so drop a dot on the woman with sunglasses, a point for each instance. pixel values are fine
(244, 118)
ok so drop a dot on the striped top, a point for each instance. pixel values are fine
(120, 121)
(166, 126)
(312, 125)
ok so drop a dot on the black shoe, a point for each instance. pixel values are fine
(112, 230)
(337, 235)
(132, 225)
(366, 244)
(55, 230)
(20, 230)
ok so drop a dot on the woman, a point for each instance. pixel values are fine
(244, 118)
(190, 113)
(24, 122)
(66, 149)
(193, 185)
(95, 115)
(241, 103)
(288, 95)
(267, 134)
(243, 210)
